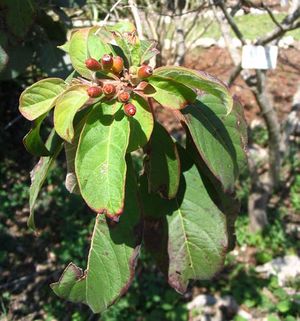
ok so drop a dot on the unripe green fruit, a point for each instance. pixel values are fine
(118, 65)
(107, 62)
(92, 64)
(123, 96)
(94, 91)
(129, 109)
(145, 71)
(109, 89)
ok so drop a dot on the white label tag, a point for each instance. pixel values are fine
(259, 57)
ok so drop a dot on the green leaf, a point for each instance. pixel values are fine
(198, 80)
(273, 318)
(170, 93)
(124, 33)
(111, 260)
(220, 139)
(39, 98)
(33, 141)
(147, 50)
(100, 159)
(125, 49)
(19, 16)
(123, 27)
(189, 239)
(66, 108)
(135, 51)
(226, 202)
(163, 166)
(72, 75)
(65, 47)
(71, 181)
(130, 47)
(40, 172)
(141, 125)
(83, 45)
(284, 306)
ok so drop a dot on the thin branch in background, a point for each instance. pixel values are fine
(288, 23)
(185, 9)
(12, 122)
(176, 6)
(234, 74)
(235, 8)
(271, 15)
(231, 22)
(117, 14)
(104, 21)
(263, 6)
(151, 27)
(263, 186)
(163, 28)
(203, 31)
(277, 33)
(172, 15)
(173, 43)
(282, 57)
(225, 28)
(136, 17)
(194, 21)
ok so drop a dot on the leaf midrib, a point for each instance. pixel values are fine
(185, 236)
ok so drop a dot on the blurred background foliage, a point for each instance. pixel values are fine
(30, 31)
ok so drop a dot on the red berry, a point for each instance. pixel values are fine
(118, 65)
(129, 109)
(124, 96)
(109, 89)
(107, 61)
(145, 71)
(92, 64)
(94, 91)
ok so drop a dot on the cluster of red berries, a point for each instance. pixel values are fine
(115, 65)
(107, 63)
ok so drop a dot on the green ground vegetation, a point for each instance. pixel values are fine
(252, 26)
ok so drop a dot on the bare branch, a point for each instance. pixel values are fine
(110, 11)
(271, 15)
(277, 33)
(231, 21)
(289, 23)
(172, 15)
(150, 21)
(194, 21)
(189, 45)
(263, 6)
(136, 17)
(235, 73)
